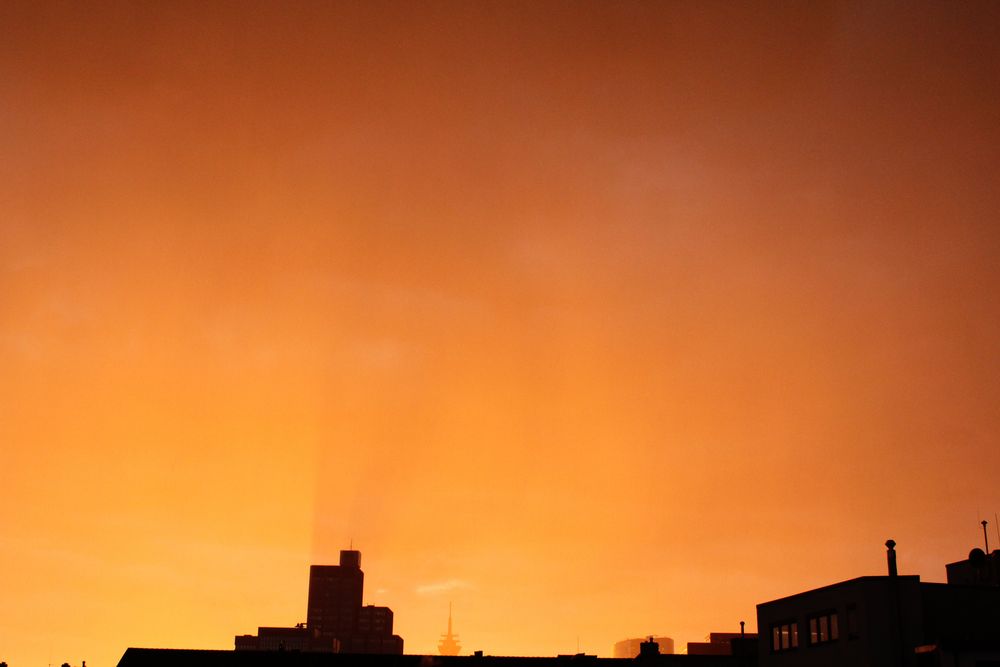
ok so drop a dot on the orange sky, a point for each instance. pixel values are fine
(597, 319)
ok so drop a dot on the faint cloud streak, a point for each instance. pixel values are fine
(438, 587)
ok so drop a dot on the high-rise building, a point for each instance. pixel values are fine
(335, 596)
(336, 621)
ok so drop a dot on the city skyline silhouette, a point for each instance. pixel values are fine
(888, 619)
(599, 319)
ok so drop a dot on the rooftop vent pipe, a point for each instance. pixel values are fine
(890, 556)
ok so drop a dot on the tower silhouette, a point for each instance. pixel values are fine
(335, 596)
(336, 619)
(449, 643)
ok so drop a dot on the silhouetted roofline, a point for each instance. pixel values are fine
(159, 657)
(857, 580)
(964, 587)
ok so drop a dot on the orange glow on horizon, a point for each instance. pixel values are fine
(597, 320)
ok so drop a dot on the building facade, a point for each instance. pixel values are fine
(883, 621)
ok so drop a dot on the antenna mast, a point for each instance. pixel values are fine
(986, 536)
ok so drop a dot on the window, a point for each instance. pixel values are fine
(852, 622)
(824, 628)
(784, 636)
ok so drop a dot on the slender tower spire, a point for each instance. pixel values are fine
(449, 643)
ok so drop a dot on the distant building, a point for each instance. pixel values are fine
(894, 621)
(336, 620)
(299, 638)
(724, 643)
(630, 648)
(449, 642)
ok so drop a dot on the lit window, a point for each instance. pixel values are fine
(784, 636)
(824, 628)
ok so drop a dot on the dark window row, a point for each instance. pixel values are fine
(784, 636)
(823, 629)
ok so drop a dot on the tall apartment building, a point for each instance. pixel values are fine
(335, 596)
(336, 619)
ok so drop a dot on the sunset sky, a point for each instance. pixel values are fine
(596, 319)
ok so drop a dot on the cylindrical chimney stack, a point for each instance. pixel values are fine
(890, 556)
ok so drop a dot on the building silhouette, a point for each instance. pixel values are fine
(147, 657)
(891, 620)
(337, 621)
(979, 569)
(449, 644)
(630, 648)
(724, 643)
(299, 638)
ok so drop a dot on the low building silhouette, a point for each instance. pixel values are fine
(884, 621)
(336, 619)
(299, 638)
(146, 657)
(630, 648)
(725, 643)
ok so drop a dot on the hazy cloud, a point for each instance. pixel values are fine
(438, 587)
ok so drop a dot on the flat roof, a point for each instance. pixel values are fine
(847, 582)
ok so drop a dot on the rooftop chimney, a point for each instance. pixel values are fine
(890, 556)
(649, 648)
